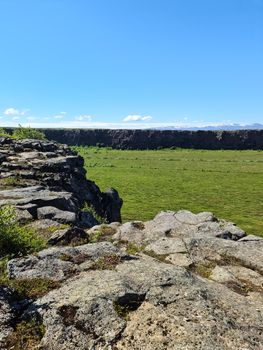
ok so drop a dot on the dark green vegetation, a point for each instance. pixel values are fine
(15, 239)
(228, 183)
(23, 133)
(27, 335)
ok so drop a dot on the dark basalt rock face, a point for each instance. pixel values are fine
(48, 181)
(153, 139)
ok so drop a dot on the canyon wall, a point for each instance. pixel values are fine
(152, 139)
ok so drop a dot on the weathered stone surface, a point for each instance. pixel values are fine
(181, 224)
(8, 311)
(167, 246)
(47, 174)
(251, 238)
(59, 263)
(67, 236)
(54, 214)
(179, 259)
(192, 282)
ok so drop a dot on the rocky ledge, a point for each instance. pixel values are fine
(47, 181)
(180, 281)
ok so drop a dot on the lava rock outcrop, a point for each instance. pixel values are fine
(46, 180)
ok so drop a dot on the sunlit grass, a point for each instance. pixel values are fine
(228, 183)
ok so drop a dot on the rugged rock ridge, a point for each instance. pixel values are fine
(180, 281)
(46, 180)
(154, 139)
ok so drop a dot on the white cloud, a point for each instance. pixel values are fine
(136, 118)
(14, 111)
(63, 113)
(83, 117)
(59, 116)
(16, 118)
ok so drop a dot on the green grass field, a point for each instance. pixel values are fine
(227, 183)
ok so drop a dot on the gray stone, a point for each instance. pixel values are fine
(179, 259)
(50, 174)
(67, 236)
(7, 314)
(166, 245)
(59, 263)
(250, 238)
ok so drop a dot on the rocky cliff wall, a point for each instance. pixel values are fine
(152, 139)
(44, 179)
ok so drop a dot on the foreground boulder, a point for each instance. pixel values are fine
(45, 180)
(180, 281)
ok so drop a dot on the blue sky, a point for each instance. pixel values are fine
(130, 63)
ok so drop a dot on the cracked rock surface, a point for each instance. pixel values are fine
(180, 281)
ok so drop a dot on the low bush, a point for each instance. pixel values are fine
(27, 335)
(90, 209)
(16, 240)
(3, 133)
(28, 133)
(107, 262)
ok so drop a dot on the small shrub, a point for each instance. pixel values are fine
(90, 209)
(133, 249)
(28, 133)
(3, 133)
(16, 240)
(27, 335)
(103, 234)
(107, 262)
(32, 288)
(26, 288)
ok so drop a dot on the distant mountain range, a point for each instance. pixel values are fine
(255, 126)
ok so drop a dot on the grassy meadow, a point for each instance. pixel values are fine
(227, 183)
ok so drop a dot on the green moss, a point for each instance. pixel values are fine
(122, 311)
(52, 229)
(160, 257)
(133, 249)
(11, 181)
(204, 269)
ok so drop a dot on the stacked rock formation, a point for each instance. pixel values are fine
(45, 180)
